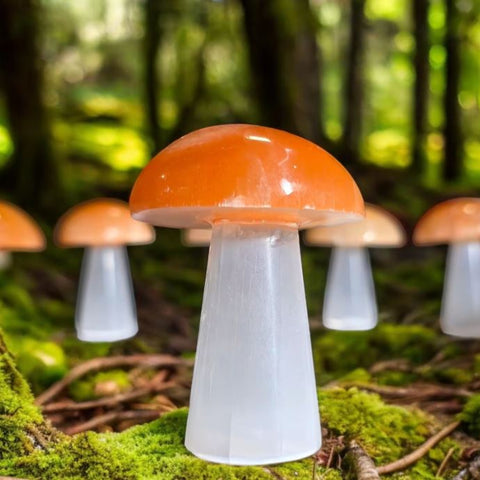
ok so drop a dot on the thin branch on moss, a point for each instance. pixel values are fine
(111, 417)
(443, 465)
(417, 454)
(11, 478)
(104, 363)
(359, 463)
(417, 391)
(112, 401)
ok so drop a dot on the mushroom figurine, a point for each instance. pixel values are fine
(18, 232)
(253, 398)
(105, 310)
(456, 223)
(196, 237)
(350, 302)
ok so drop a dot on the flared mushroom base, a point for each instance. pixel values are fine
(460, 314)
(105, 305)
(253, 397)
(350, 302)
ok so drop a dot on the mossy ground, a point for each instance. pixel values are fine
(155, 451)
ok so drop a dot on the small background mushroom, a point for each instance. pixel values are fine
(349, 302)
(18, 232)
(456, 223)
(105, 309)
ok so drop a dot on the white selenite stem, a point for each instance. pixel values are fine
(253, 398)
(460, 314)
(105, 305)
(350, 302)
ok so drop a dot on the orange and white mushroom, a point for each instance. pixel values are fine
(196, 237)
(253, 397)
(456, 223)
(18, 232)
(350, 302)
(105, 309)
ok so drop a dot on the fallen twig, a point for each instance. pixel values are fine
(360, 464)
(442, 466)
(112, 417)
(104, 363)
(471, 471)
(106, 401)
(419, 390)
(11, 478)
(417, 454)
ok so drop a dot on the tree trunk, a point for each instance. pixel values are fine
(151, 45)
(33, 172)
(285, 63)
(453, 161)
(352, 130)
(421, 85)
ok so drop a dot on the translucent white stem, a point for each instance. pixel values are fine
(350, 302)
(105, 305)
(253, 397)
(460, 314)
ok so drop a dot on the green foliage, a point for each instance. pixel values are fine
(470, 416)
(337, 353)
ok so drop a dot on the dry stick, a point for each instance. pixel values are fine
(420, 390)
(11, 478)
(103, 363)
(107, 401)
(112, 417)
(417, 454)
(362, 464)
(442, 466)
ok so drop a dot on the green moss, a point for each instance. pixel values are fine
(41, 362)
(358, 375)
(470, 416)
(337, 353)
(90, 387)
(456, 376)
(386, 432)
(395, 378)
(21, 424)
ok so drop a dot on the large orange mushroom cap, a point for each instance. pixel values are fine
(452, 221)
(379, 228)
(247, 174)
(101, 222)
(18, 230)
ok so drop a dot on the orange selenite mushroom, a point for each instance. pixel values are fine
(349, 302)
(456, 223)
(18, 230)
(253, 397)
(105, 307)
(18, 233)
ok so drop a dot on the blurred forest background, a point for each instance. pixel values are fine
(91, 89)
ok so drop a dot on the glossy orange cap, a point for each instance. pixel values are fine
(456, 220)
(379, 229)
(196, 237)
(245, 174)
(101, 222)
(18, 230)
